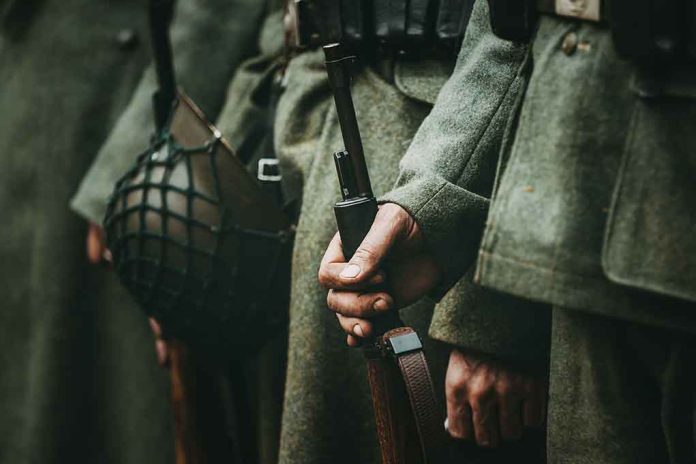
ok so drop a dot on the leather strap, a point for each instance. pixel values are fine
(403, 350)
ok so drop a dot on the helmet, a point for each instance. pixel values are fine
(196, 240)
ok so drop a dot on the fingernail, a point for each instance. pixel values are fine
(351, 271)
(357, 330)
(381, 305)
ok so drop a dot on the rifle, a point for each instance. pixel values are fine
(204, 396)
(409, 420)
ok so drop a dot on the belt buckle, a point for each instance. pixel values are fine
(581, 9)
(267, 170)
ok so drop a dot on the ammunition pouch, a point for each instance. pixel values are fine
(198, 242)
(369, 26)
(648, 32)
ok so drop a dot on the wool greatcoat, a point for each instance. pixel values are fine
(78, 379)
(592, 213)
(210, 40)
(327, 413)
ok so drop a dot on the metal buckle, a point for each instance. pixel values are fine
(581, 9)
(261, 173)
(405, 343)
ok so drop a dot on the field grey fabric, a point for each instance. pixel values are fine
(210, 39)
(595, 191)
(327, 415)
(620, 392)
(445, 181)
(73, 349)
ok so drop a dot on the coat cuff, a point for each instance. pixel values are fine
(128, 139)
(494, 324)
(451, 219)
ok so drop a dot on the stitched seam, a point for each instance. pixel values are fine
(493, 115)
(541, 267)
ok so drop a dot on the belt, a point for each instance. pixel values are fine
(381, 28)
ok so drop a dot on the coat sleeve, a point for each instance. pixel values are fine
(447, 174)
(210, 39)
(445, 182)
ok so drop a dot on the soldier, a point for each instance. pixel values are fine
(211, 40)
(479, 326)
(69, 377)
(590, 214)
(394, 94)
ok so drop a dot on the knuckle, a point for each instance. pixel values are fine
(504, 389)
(323, 278)
(331, 300)
(364, 253)
(479, 391)
(455, 384)
(457, 433)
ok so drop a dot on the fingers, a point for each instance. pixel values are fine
(359, 328)
(95, 243)
(459, 415)
(489, 403)
(485, 419)
(510, 415)
(353, 341)
(162, 352)
(161, 347)
(362, 305)
(390, 225)
(334, 263)
(534, 406)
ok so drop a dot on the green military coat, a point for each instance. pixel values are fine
(590, 213)
(328, 415)
(605, 169)
(78, 380)
(210, 41)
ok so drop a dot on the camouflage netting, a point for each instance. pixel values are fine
(181, 244)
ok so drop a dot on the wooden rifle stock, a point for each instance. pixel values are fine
(187, 444)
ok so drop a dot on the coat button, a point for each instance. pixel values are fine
(570, 43)
(127, 39)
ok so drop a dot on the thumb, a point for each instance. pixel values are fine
(390, 226)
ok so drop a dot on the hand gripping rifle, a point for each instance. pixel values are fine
(409, 420)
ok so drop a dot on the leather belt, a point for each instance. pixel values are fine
(435, 27)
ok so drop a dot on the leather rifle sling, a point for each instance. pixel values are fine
(404, 400)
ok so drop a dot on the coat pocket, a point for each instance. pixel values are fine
(422, 80)
(650, 239)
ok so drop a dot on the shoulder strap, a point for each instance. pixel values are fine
(160, 17)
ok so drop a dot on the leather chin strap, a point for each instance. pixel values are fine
(409, 419)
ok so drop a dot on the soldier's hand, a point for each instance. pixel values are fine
(391, 269)
(490, 403)
(161, 347)
(96, 245)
